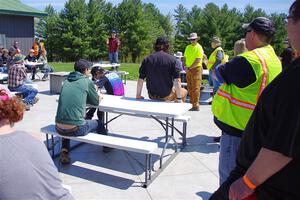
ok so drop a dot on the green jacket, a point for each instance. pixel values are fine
(77, 91)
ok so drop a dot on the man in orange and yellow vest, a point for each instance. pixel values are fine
(38, 47)
(244, 78)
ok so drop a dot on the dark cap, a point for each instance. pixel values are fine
(81, 65)
(261, 25)
(97, 69)
(161, 41)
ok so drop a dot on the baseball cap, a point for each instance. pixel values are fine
(193, 36)
(161, 41)
(18, 58)
(261, 25)
(96, 69)
(216, 39)
(81, 65)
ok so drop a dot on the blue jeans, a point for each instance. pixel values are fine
(227, 158)
(213, 82)
(113, 58)
(3, 69)
(46, 70)
(28, 92)
(89, 126)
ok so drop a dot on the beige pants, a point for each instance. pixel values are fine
(194, 79)
(172, 96)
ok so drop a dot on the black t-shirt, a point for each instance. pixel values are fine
(275, 125)
(30, 58)
(160, 70)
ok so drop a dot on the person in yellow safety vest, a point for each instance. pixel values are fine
(216, 57)
(38, 47)
(193, 57)
(244, 78)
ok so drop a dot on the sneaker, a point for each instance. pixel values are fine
(64, 157)
(106, 149)
(27, 107)
(44, 78)
(36, 99)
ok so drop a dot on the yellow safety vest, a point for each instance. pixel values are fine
(212, 58)
(233, 105)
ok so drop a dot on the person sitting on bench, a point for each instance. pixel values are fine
(17, 78)
(111, 82)
(31, 58)
(76, 92)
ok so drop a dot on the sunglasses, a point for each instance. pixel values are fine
(192, 39)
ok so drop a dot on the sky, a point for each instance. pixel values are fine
(168, 6)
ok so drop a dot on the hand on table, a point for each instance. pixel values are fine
(239, 190)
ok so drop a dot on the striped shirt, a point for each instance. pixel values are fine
(16, 75)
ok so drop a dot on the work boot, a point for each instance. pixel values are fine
(27, 106)
(195, 109)
(64, 157)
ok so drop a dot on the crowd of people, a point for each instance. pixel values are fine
(259, 150)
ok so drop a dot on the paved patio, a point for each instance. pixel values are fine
(193, 174)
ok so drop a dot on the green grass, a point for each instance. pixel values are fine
(132, 68)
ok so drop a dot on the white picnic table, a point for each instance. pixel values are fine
(106, 65)
(149, 109)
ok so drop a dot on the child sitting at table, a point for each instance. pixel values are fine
(31, 58)
(46, 68)
(108, 80)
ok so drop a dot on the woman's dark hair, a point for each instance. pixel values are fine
(295, 11)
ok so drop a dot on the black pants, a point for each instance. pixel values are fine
(90, 113)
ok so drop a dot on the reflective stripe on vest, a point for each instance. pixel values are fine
(265, 73)
(233, 105)
(235, 101)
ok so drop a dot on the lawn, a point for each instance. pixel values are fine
(132, 68)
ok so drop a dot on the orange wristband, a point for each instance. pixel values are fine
(249, 183)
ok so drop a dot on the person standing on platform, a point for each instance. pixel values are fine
(193, 57)
(113, 44)
(244, 78)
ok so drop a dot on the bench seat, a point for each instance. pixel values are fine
(109, 141)
(115, 142)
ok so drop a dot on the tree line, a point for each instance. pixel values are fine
(80, 29)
